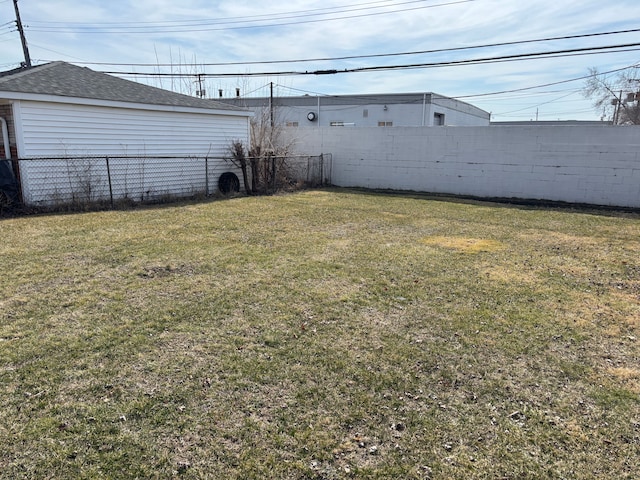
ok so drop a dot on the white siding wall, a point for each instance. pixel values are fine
(581, 164)
(54, 129)
(60, 130)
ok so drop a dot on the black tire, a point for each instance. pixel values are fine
(228, 183)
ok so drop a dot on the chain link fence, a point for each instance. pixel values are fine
(276, 173)
(75, 180)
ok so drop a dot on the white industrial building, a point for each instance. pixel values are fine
(367, 110)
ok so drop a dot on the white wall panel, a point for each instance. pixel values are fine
(581, 164)
(50, 129)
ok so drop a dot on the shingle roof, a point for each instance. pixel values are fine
(67, 80)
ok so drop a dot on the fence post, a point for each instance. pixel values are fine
(206, 176)
(274, 173)
(109, 177)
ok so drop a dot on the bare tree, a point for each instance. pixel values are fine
(617, 97)
(266, 156)
(239, 159)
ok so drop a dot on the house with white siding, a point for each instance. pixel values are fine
(59, 111)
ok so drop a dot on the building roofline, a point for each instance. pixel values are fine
(32, 97)
(67, 83)
(365, 98)
(355, 99)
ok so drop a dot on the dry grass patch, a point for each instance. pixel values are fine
(508, 275)
(628, 376)
(625, 373)
(464, 245)
(320, 335)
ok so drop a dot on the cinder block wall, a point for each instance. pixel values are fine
(597, 165)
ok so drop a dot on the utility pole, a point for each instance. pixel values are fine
(616, 110)
(200, 92)
(271, 103)
(25, 49)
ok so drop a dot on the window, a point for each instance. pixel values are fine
(336, 124)
(365, 113)
(385, 124)
(438, 119)
(292, 124)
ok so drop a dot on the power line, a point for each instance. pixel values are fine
(536, 106)
(183, 29)
(379, 55)
(367, 99)
(523, 95)
(242, 19)
(76, 59)
(571, 92)
(451, 63)
(500, 59)
(555, 101)
(546, 84)
(528, 95)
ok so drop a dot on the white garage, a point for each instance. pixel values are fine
(70, 131)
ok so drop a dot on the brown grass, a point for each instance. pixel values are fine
(326, 334)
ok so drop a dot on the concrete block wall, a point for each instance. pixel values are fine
(597, 165)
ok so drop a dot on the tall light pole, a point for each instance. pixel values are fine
(25, 49)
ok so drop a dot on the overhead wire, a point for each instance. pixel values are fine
(529, 107)
(527, 95)
(509, 97)
(247, 18)
(183, 29)
(378, 55)
(507, 58)
(565, 94)
(523, 89)
(450, 63)
(550, 84)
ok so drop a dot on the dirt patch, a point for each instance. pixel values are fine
(464, 244)
(509, 276)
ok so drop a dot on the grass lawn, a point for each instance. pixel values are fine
(320, 335)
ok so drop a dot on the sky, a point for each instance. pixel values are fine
(494, 54)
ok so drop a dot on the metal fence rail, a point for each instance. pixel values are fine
(56, 181)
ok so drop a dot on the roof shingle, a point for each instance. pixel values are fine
(67, 80)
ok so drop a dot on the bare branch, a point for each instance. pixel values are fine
(609, 95)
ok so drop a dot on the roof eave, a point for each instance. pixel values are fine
(36, 97)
